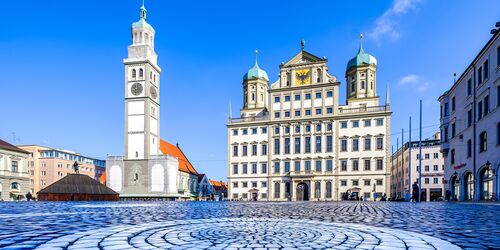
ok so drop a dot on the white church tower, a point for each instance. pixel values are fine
(143, 172)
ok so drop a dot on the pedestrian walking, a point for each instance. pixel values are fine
(448, 195)
(29, 196)
(415, 188)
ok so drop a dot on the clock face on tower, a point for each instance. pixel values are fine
(136, 89)
(153, 92)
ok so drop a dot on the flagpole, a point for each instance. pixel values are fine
(397, 168)
(420, 157)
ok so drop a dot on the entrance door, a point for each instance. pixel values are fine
(254, 196)
(302, 192)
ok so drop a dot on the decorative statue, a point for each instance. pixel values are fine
(75, 167)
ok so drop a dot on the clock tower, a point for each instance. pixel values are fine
(142, 85)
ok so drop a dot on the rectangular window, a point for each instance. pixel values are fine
(245, 151)
(287, 98)
(245, 185)
(446, 109)
(308, 96)
(355, 124)
(355, 144)
(368, 123)
(245, 132)
(297, 166)
(308, 166)
(329, 94)
(308, 144)
(318, 144)
(254, 184)
(235, 169)
(297, 97)
(287, 130)
(308, 112)
(355, 182)
(435, 180)
(498, 56)
(235, 150)
(15, 167)
(427, 156)
(436, 155)
(235, 132)
(287, 113)
(498, 96)
(297, 129)
(435, 167)
(297, 112)
(329, 127)
(318, 95)
(254, 149)
(368, 144)
(329, 110)
(367, 165)
(343, 125)
(379, 182)
(277, 131)
(276, 167)
(453, 130)
(480, 75)
(318, 111)
(308, 128)
(343, 183)
(254, 131)
(235, 184)
(329, 165)
(264, 130)
(426, 168)
(287, 145)
(380, 164)
(485, 70)
(486, 101)
(355, 165)
(318, 128)
(264, 149)
(276, 114)
(367, 182)
(297, 145)
(329, 144)
(254, 168)
(343, 145)
(453, 104)
(276, 146)
(380, 143)
(426, 180)
(287, 167)
(343, 165)
(245, 169)
(479, 110)
(318, 166)
(380, 122)
(264, 168)
(276, 99)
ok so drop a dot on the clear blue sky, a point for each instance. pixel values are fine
(62, 73)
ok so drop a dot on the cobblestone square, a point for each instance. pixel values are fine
(234, 225)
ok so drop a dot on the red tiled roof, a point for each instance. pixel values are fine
(172, 150)
(8, 146)
(218, 184)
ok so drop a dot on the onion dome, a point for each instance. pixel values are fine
(255, 72)
(362, 58)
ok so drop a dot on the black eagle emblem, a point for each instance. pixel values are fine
(303, 76)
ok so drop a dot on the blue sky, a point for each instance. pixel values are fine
(62, 73)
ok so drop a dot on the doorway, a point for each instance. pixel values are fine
(302, 191)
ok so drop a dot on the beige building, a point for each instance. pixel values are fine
(294, 141)
(407, 157)
(14, 179)
(47, 165)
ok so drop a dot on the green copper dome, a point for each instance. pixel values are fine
(362, 58)
(255, 73)
(142, 19)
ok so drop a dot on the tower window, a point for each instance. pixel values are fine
(141, 73)
(136, 154)
(253, 97)
(134, 73)
(362, 84)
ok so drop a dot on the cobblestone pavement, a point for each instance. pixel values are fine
(232, 225)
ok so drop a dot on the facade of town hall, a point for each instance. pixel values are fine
(294, 141)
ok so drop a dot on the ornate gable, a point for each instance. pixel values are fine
(303, 57)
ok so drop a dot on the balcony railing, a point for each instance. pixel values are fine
(249, 119)
(364, 109)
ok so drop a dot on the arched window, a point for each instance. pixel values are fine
(353, 87)
(483, 141)
(15, 186)
(469, 148)
(328, 189)
(253, 97)
(452, 156)
(261, 97)
(115, 178)
(317, 189)
(134, 73)
(277, 190)
(486, 182)
(158, 178)
(141, 73)
(469, 186)
(319, 75)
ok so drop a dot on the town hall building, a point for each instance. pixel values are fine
(293, 140)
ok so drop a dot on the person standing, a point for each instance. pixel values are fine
(415, 190)
(29, 196)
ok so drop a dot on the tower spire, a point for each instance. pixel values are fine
(230, 111)
(256, 57)
(143, 12)
(387, 101)
(361, 44)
